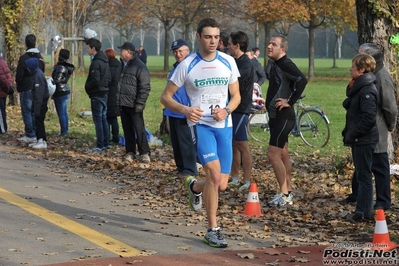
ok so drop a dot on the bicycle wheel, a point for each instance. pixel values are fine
(258, 126)
(314, 128)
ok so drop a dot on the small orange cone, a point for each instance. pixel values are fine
(252, 207)
(381, 239)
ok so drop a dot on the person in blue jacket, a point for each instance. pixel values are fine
(183, 148)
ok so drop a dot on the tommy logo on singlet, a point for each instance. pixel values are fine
(200, 83)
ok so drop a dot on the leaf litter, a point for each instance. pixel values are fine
(315, 217)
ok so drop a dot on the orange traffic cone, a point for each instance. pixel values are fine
(252, 207)
(381, 239)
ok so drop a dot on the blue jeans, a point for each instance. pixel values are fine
(99, 113)
(363, 159)
(26, 99)
(61, 105)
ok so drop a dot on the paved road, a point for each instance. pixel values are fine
(49, 213)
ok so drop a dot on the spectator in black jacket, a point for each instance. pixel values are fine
(260, 75)
(61, 74)
(40, 98)
(96, 87)
(112, 107)
(142, 54)
(238, 43)
(23, 78)
(131, 97)
(361, 132)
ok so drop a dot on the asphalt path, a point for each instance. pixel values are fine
(52, 213)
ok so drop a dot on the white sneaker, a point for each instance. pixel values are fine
(27, 139)
(31, 144)
(40, 144)
(275, 199)
(284, 200)
(235, 182)
(244, 187)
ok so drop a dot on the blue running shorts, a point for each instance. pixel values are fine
(214, 144)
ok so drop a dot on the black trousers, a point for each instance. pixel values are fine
(39, 121)
(183, 147)
(134, 131)
(380, 169)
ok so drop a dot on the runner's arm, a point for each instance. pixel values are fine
(192, 113)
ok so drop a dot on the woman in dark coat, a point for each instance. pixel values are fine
(113, 109)
(61, 74)
(5, 89)
(361, 131)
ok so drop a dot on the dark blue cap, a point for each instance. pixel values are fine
(127, 46)
(177, 44)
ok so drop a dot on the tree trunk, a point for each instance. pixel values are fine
(12, 31)
(311, 50)
(335, 51)
(266, 27)
(378, 30)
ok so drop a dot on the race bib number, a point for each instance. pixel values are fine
(209, 102)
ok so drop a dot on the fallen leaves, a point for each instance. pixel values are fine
(315, 218)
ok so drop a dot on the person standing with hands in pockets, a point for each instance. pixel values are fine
(209, 77)
(286, 84)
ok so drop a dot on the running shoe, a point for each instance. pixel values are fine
(275, 199)
(214, 238)
(194, 199)
(285, 200)
(235, 182)
(244, 187)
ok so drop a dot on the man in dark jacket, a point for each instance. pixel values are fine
(97, 88)
(23, 78)
(238, 43)
(259, 75)
(131, 97)
(142, 54)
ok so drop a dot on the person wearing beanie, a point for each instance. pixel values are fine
(112, 108)
(41, 95)
(61, 74)
(23, 79)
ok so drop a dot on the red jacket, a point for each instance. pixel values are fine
(5, 78)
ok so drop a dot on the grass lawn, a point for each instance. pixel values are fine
(327, 90)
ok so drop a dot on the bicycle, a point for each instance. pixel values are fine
(312, 125)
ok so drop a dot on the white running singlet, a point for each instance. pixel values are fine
(207, 84)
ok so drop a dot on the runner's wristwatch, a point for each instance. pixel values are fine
(228, 111)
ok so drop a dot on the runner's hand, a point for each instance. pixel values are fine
(220, 114)
(194, 114)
